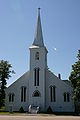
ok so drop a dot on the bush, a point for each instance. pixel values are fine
(21, 110)
(49, 110)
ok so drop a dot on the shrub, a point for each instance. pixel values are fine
(21, 110)
(49, 110)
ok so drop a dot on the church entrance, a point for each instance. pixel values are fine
(36, 98)
(36, 102)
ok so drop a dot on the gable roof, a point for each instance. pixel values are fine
(25, 75)
(57, 79)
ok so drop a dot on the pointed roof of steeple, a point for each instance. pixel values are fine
(38, 39)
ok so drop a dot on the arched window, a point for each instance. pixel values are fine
(36, 76)
(23, 94)
(36, 94)
(11, 97)
(37, 56)
(66, 97)
(52, 93)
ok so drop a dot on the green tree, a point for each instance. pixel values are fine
(5, 71)
(75, 81)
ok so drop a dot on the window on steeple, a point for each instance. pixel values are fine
(36, 76)
(37, 56)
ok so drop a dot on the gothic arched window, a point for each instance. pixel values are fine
(36, 94)
(66, 97)
(37, 56)
(23, 94)
(36, 76)
(52, 93)
(11, 97)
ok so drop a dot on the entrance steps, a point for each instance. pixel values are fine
(34, 109)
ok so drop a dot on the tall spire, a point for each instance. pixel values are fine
(38, 39)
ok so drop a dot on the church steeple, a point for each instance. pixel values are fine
(38, 39)
(38, 67)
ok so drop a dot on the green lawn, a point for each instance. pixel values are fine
(14, 113)
(3, 113)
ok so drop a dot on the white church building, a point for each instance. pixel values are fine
(39, 87)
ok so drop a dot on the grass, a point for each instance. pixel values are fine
(14, 113)
(41, 114)
(4, 113)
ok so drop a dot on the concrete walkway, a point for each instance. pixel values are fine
(38, 117)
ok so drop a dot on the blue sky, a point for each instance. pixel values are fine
(61, 32)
